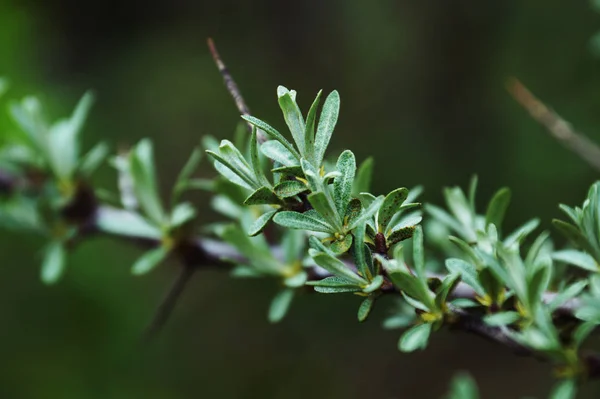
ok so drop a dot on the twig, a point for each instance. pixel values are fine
(230, 84)
(557, 127)
(167, 305)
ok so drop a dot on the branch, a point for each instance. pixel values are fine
(556, 126)
(230, 84)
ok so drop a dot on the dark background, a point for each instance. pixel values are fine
(423, 90)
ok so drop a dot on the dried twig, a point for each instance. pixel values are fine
(557, 127)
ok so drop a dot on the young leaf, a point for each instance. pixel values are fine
(144, 181)
(325, 208)
(259, 224)
(566, 294)
(327, 122)
(566, 389)
(467, 272)
(342, 186)
(338, 268)
(263, 196)
(418, 253)
(277, 152)
(182, 213)
(342, 245)
(93, 159)
(497, 207)
(334, 282)
(280, 305)
(271, 132)
(289, 188)
(576, 258)
(519, 235)
(301, 221)
(54, 262)
(391, 205)
(415, 338)
(502, 318)
(374, 285)
(126, 223)
(256, 165)
(367, 213)
(309, 133)
(293, 119)
(365, 308)
(463, 387)
(149, 260)
(359, 251)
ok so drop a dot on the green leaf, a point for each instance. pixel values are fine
(566, 294)
(280, 305)
(149, 260)
(312, 175)
(391, 205)
(367, 213)
(418, 252)
(521, 233)
(467, 272)
(263, 196)
(144, 181)
(448, 284)
(125, 223)
(289, 188)
(297, 280)
(227, 172)
(538, 284)
(334, 282)
(443, 217)
(327, 122)
(271, 132)
(362, 183)
(290, 170)
(309, 133)
(413, 287)
(468, 250)
(182, 213)
(463, 387)
(374, 285)
(93, 159)
(293, 118)
(502, 318)
(460, 207)
(338, 268)
(415, 338)
(183, 179)
(576, 258)
(259, 224)
(295, 220)
(322, 204)
(573, 234)
(256, 165)
(341, 246)
(497, 207)
(365, 308)
(400, 235)
(359, 251)
(342, 185)
(277, 152)
(566, 389)
(63, 139)
(54, 262)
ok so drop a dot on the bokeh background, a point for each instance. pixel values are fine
(423, 90)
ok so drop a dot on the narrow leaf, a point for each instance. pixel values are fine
(295, 220)
(289, 188)
(327, 122)
(342, 186)
(280, 305)
(338, 268)
(259, 224)
(497, 207)
(54, 262)
(365, 308)
(415, 338)
(309, 133)
(263, 196)
(149, 260)
(391, 205)
(271, 132)
(293, 119)
(576, 258)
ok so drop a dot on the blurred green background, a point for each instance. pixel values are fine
(423, 90)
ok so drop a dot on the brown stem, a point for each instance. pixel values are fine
(556, 126)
